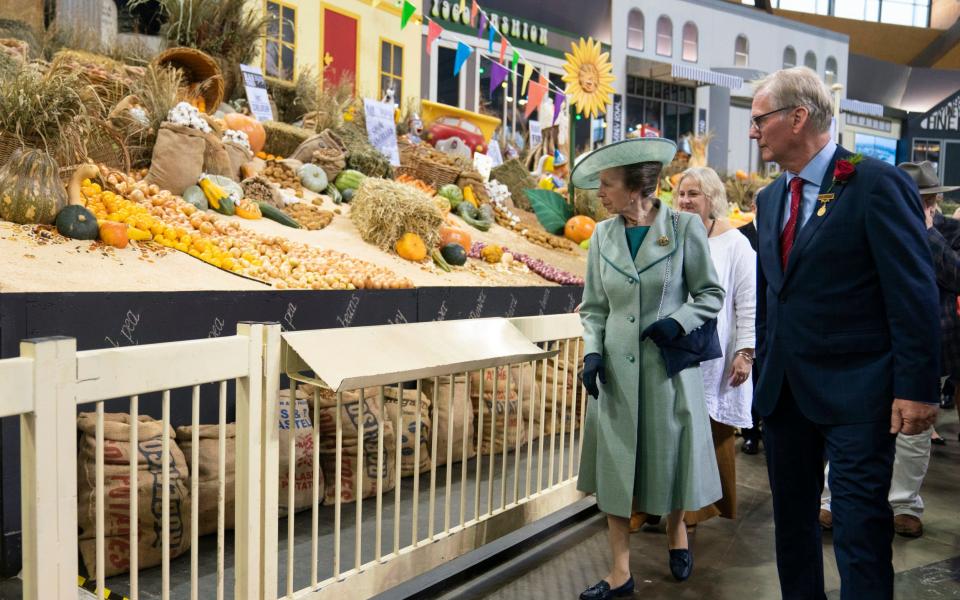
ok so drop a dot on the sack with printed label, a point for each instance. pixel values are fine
(407, 426)
(302, 432)
(561, 409)
(455, 417)
(207, 472)
(506, 406)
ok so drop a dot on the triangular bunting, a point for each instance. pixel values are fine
(474, 8)
(408, 10)
(463, 53)
(503, 47)
(537, 90)
(557, 106)
(483, 23)
(516, 59)
(527, 72)
(433, 32)
(490, 39)
(497, 74)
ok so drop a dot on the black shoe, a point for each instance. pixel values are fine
(681, 563)
(938, 441)
(947, 402)
(750, 446)
(602, 591)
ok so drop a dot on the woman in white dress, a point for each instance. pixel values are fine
(728, 400)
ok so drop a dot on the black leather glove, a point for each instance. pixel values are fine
(592, 369)
(662, 331)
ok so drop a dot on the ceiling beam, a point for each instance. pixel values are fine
(939, 47)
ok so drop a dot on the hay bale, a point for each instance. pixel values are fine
(383, 210)
(517, 179)
(586, 202)
(361, 156)
(283, 139)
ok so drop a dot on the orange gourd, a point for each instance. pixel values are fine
(114, 234)
(248, 209)
(454, 235)
(411, 247)
(250, 126)
(579, 228)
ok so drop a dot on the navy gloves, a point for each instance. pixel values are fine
(592, 369)
(663, 331)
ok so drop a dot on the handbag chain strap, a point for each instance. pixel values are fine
(666, 276)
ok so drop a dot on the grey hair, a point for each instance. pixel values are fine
(800, 86)
(711, 187)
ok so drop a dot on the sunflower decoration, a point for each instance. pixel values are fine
(589, 76)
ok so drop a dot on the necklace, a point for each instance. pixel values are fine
(713, 223)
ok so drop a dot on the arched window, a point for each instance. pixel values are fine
(789, 57)
(690, 42)
(635, 30)
(664, 36)
(741, 51)
(830, 74)
(810, 60)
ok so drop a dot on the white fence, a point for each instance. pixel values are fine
(524, 469)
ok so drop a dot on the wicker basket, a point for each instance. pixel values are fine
(436, 175)
(201, 74)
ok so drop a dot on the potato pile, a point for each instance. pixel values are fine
(284, 176)
(309, 216)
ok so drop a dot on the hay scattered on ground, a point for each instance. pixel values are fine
(517, 179)
(383, 210)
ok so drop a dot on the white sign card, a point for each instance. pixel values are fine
(536, 134)
(257, 96)
(483, 164)
(382, 129)
(493, 151)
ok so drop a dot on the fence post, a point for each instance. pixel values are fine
(270, 459)
(248, 532)
(48, 454)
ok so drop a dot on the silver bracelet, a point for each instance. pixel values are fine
(745, 354)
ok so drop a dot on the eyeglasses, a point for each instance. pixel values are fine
(758, 120)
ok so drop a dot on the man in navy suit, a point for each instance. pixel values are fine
(847, 337)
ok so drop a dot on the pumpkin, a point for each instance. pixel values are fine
(250, 126)
(114, 234)
(30, 188)
(411, 247)
(579, 228)
(195, 196)
(313, 178)
(78, 223)
(454, 254)
(454, 235)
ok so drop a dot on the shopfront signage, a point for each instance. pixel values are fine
(617, 134)
(943, 118)
(510, 27)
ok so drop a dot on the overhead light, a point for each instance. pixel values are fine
(504, 85)
(604, 124)
(522, 101)
(509, 99)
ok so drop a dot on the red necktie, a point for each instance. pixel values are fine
(789, 232)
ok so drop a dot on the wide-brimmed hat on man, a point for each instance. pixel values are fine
(924, 174)
(586, 173)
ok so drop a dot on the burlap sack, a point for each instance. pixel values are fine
(331, 160)
(303, 454)
(505, 406)
(564, 390)
(207, 471)
(449, 423)
(178, 158)
(325, 149)
(404, 420)
(355, 479)
(216, 160)
(238, 156)
(116, 455)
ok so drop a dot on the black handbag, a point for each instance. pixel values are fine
(700, 345)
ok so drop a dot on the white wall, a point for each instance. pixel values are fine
(742, 151)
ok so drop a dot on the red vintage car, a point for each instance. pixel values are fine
(448, 128)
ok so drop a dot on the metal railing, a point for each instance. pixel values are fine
(516, 379)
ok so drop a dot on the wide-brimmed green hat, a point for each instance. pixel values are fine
(586, 173)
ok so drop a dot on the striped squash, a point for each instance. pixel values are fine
(30, 188)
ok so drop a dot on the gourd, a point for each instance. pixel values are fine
(114, 234)
(87, 171)
(275, 214)
(347, 195)
(480, 219)
(349, 180)
(252, 127)
(78, 223)
(492, 253)
(30, 188)
(579, 228)
(452, 193)
(195, 196)
(313, 178)
(248, 209)
(469, 196)
(454, 254)
(411, 247)
(455, 235)
(334, 194)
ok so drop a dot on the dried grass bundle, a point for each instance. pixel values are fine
(383, 210)
(283, 139)
(46, 107)
(151, 99)
(517, 179)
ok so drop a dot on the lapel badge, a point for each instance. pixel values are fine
(663, 240)
(823, 199)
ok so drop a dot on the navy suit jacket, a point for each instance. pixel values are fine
(853, 322)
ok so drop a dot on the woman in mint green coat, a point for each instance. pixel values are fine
(647, 441)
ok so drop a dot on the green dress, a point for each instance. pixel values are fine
(635, 237)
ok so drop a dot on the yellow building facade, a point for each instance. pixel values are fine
(358, 39)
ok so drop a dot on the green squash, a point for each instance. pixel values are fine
(313, 178)
(452, 193)
(454, 254)
(347, 195)
(195, 196)
(78, 223)
(480, 219)
(30, 188)
(334, 194)
(349, 180)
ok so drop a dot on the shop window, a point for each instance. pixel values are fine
(391, 70)
(448, 87)
(830, 71)
(635, 30)
(281, 40)
(810, 61)
(741, 51)
(690, 42)
(789, 57)
(926, 150)
(664, 36)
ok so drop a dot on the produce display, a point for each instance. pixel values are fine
(534, 264)
(308, 216)
(283, 175)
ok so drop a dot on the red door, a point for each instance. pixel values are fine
(340, 45)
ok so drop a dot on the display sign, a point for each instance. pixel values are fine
(493, 151)
(702, 122)
(536, 134)
(382, 129)
(483, 164)
(945, 117)
(257, 97)
(617, 117)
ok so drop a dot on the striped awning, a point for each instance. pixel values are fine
(861, 108)
(704, 76)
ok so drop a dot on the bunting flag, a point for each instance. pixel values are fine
(483, 23)
(474, 8)
(537, 90)
(557, 105)
(497, 74)
(527, 72)
(463, 53)
(503, 47)
(408, 10)
(433, 32)
(543, 80)
(490, 41)
(516, 59)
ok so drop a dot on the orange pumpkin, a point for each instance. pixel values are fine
(249, 126)
(114, 234)
(454, 235)
(579, 228)
(411, 247)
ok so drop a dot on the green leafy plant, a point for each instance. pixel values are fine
(551, 208)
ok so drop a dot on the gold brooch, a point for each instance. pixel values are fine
(664, 240)
(823, 199)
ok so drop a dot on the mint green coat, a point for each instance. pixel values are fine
(648, 436)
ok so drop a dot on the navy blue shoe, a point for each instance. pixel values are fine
(681, 563)
(602, 591)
